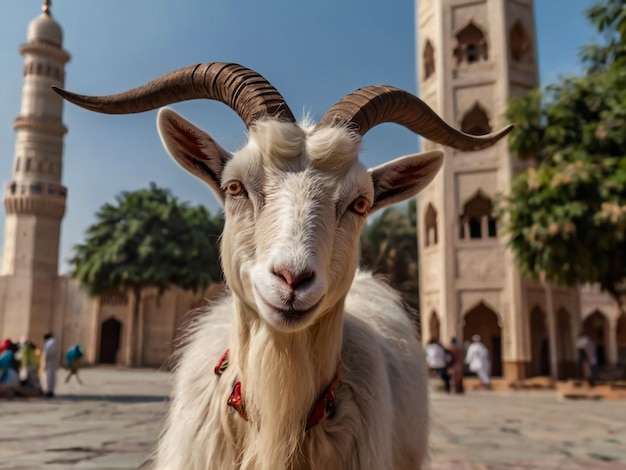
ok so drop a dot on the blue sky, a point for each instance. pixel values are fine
(313, 53)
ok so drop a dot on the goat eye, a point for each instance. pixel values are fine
(360, 205)
(234, 188)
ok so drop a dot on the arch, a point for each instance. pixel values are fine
(566, 354)
(621, 339)
(428, 59)
(477, 220)
(476, 121)
(596, 326)
(471, 45)
(483, 321)
(430, 223)
(539, 343)
(519, 42)
(434, 326)
(110, 340)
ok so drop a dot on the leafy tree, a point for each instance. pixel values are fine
(148, 238)
(566, 214)
(389, 248)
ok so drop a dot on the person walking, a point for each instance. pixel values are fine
(477, 358)
(436, 360)
(455, 368)
(587, 358)
(72, 358)
(51, 357)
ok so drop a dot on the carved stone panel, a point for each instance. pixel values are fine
(431, 270)
(481, 264)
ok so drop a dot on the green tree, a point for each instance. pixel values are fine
(389, 248)
(566, 214)
(148, 238)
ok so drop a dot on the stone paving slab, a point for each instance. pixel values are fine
(526, 430)
(112, 422)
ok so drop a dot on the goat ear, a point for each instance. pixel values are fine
(193, 149)
(404, 177)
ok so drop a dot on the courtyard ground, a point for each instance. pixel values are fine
(112, 422)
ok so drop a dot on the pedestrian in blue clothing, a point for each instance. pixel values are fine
(72, 358)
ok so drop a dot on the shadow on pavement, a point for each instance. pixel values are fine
(114, 398)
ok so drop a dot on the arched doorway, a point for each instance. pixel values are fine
(110, 339)
(596, 327)
(565, 345)
(483, 321)
(621, 339)
(434, 326)
(539, 343)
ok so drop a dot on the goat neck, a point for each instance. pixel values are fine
(273, 365)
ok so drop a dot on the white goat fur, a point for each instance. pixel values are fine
(300, 183)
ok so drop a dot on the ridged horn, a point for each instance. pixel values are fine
(372, 105)
(246, 92)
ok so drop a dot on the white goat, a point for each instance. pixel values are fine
(320, 369)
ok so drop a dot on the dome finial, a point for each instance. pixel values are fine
(46, 7)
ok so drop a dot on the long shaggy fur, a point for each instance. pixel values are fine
(382, 412)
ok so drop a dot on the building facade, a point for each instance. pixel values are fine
(473, 56)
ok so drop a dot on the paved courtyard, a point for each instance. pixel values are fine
(112, 422)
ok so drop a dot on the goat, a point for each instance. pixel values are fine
(320, 365)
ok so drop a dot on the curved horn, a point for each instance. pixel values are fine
(246, 92)
(372, 105)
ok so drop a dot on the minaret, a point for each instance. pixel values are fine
(473, 56)
(35, 198)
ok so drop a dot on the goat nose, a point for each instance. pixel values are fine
(291, 278)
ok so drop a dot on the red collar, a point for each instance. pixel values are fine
(323, 408)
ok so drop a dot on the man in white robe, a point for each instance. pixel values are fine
(51, 356)
(477, 358)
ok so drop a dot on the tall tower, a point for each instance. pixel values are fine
(473, 56)
(34, 199)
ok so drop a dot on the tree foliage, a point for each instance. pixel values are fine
(566, 214)
(148, 238)
(389, 248)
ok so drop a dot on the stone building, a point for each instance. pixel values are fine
(473, 55)
(34, 299)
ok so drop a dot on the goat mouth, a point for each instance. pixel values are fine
(290, 315)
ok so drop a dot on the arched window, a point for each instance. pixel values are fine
(477, 220)
(476, 121)
(471, 45)
(430, 222)
(519, 42)
(428, 59)
(434, 326)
